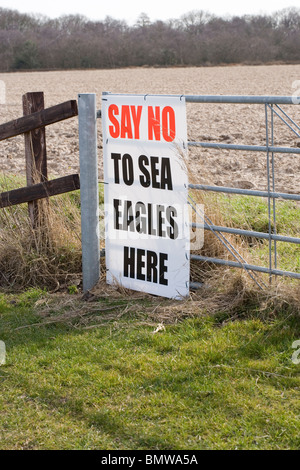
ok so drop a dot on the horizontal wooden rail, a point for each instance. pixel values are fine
(39, 119)
(40, 190)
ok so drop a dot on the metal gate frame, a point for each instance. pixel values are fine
(272, 106)
(88, 115)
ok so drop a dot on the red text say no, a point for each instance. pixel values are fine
(125, 122)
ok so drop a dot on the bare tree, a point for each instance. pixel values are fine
(197, 38)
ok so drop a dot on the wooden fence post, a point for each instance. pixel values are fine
(35, 151)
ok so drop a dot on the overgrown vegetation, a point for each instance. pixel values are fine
(50, 256)
(47, 256)
(197, 38)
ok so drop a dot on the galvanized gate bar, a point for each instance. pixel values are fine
(245, 192)
(249, 267)
(283, 120)
(288, 117)
(245, 148)
(246, 233)
(240, 99)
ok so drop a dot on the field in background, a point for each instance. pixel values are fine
(221, 123)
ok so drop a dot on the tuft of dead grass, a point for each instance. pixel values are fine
(105, 305)
(46, 256)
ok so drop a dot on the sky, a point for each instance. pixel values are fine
(129, 10)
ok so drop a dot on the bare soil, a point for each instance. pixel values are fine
(242, 124)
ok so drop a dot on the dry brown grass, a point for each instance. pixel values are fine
(228, 297)
(48, 255)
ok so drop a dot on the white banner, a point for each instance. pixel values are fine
(145, 195)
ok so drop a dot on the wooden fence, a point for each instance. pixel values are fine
(32, 124)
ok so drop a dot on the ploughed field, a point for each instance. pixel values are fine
(224, 123)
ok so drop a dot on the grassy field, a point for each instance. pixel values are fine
(121, 371)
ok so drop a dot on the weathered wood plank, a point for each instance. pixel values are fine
(35, 141)
(40, 191)
(39, 119)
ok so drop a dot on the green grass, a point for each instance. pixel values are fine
(198, 384)
(251, 213)
(248, 212)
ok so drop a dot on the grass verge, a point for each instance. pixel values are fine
(138, 373)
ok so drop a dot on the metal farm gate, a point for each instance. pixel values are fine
(88, 169)
(272, 106)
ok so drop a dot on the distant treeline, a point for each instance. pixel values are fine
(197, 38)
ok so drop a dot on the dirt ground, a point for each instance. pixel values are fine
(243, 124)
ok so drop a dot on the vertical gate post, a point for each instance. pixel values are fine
(35, 152)
(89, 191)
